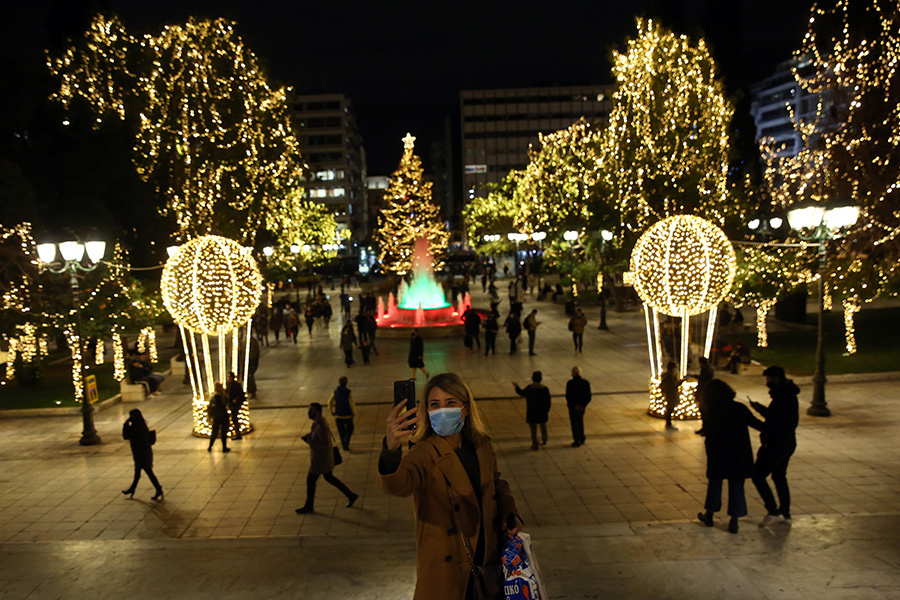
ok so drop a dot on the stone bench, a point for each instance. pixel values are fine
(134, 392)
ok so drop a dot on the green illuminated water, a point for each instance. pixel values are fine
(423, 290)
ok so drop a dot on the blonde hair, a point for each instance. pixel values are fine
(453, 384)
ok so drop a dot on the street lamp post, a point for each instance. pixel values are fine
(72, 254)
(823, 225)
(605, 237)
(517, 237)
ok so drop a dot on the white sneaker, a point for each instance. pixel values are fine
(769, 520)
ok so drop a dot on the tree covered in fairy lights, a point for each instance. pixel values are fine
(496, 213)
(212, 136)
(667, 147)
(408, 215)
(555, 190)
(850, 149)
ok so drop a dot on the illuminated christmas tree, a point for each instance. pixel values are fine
(408, 215)
(668, 141)
(212, 137)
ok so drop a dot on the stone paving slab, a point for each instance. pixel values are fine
(614, 518)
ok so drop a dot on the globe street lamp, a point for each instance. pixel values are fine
(517, 237)
(72, 254)
(819, 225)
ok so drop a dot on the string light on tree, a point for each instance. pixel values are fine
(408, 215)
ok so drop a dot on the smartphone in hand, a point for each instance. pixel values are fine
(405, 392)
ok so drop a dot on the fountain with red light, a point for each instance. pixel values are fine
(421, 304)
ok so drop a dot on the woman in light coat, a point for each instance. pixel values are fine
(451, 472)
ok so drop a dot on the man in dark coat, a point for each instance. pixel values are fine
(705, 375)
(472, 326)
(728, 452)
(537, 407)
(217, 411)
(578, 396)
(236, 398)
(668, 385)
(417, 354)
(778, 441)
(513, 330)
(490, 334)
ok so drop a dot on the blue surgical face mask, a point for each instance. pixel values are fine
(446, 421)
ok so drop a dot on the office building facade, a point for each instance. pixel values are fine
(333, 149)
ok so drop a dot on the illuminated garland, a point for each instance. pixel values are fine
(408, 215)
(11, 359)
(75, 349)
(118, 358)
(493, 214)
(98, 352)
(667, 144)
(762, 330)
(851, 307)
(687, 407)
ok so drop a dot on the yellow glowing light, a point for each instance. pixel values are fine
(98, 352)
(211, 285)
(75, 348)
(762, 332)
(687, 407)
(683, 265)
(118, 358)
(11, 359)
(851, 307)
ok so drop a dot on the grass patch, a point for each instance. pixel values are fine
(878, 348)
(54, 389)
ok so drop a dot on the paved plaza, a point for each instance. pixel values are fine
(615, 518)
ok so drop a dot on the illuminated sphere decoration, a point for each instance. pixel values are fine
(211, 285)
(683, 265)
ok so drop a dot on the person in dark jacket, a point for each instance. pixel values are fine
(578, 396)
(728, 452)
(668, 385)
(472, 326)
(705, 375)
(417, 354)
(321, 460)
(490, 334)
(348, 341)
(218, 415)
(236, 399)
(135, 430)
(537, 407)
(343, 410)
(513, 330)
(778, 440)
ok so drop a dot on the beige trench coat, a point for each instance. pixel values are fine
(427, 472)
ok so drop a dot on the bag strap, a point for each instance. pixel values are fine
(459, 531)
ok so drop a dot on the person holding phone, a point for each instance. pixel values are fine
(463, 507)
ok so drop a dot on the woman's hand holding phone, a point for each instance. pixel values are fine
(399, 426)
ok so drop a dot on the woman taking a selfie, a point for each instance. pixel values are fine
(463, 508)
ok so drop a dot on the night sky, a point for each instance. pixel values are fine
(403, 63)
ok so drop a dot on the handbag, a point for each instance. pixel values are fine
(152, 436)
(338, 459)
(487, 582)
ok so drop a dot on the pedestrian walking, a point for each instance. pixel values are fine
(472, 326)
(728, 452)
(141, 439)
(217, 411)
(576, 325)
(236, 398)
(463, 507)
(778, 440)
(513, 330)
(321, 461)
(531, 324)
(310, 319)
(490, 334)
(348, 341)
(276, 322)
(326, 311)
(668, 385)
(295, 324)
(417, 354)
(578, 396)
(262, 327)
(342, 408)
(252, 366)
(537, 407)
